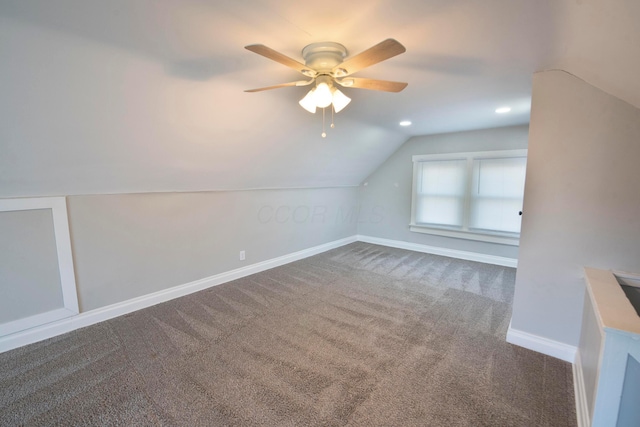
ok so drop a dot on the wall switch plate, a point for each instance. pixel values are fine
(241, 255)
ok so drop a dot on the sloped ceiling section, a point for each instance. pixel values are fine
(119, 96)
(599, 41)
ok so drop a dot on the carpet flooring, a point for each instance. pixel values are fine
(362, 335)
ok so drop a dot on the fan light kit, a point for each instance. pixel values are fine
(325, 65)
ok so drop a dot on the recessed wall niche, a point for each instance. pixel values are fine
(37, 282)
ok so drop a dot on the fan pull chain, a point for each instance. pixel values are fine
(332, 111)
(324, 134)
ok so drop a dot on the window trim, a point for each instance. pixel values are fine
(465, 232)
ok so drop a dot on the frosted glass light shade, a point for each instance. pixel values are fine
(308, 102)
(322, 95)
(340, 100)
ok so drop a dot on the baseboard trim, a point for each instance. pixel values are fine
(582, 408)
(58, 327)
(68, 324)
(452, 253)
(542, 345)
(9, 328)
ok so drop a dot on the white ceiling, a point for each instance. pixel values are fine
(131, 96)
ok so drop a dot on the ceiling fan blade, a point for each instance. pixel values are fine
(267, 52)
(383, 85)
(298, 83)
(378, 53)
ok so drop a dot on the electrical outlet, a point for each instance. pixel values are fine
(241, 255)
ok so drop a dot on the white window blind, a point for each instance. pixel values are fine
(441, 192)
(496, 194)
(470, 195)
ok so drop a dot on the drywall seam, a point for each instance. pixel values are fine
(214, 190)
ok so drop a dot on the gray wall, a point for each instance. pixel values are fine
(29, 275)
(386, 199)
(130, 245)
(582, 201)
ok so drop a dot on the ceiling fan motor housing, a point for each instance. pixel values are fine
(325, 63)
(324, 56)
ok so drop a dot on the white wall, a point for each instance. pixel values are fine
(131, 245)
(599, 41)
(582, 201)
(386, 199)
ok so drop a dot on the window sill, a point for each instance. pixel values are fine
(468, 235)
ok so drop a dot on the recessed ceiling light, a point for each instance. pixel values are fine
(503, 110)
(405, 123)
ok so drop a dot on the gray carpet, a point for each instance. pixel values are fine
(362, 335)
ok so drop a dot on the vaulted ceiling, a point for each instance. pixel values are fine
(133, 96)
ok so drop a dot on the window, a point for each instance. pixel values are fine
(474, 196)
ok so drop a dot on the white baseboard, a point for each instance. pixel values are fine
(58, 327)
(542, 345)
(35, 320)
(452, 253)
(582, 408)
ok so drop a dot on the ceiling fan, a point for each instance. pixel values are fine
(325, 65)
